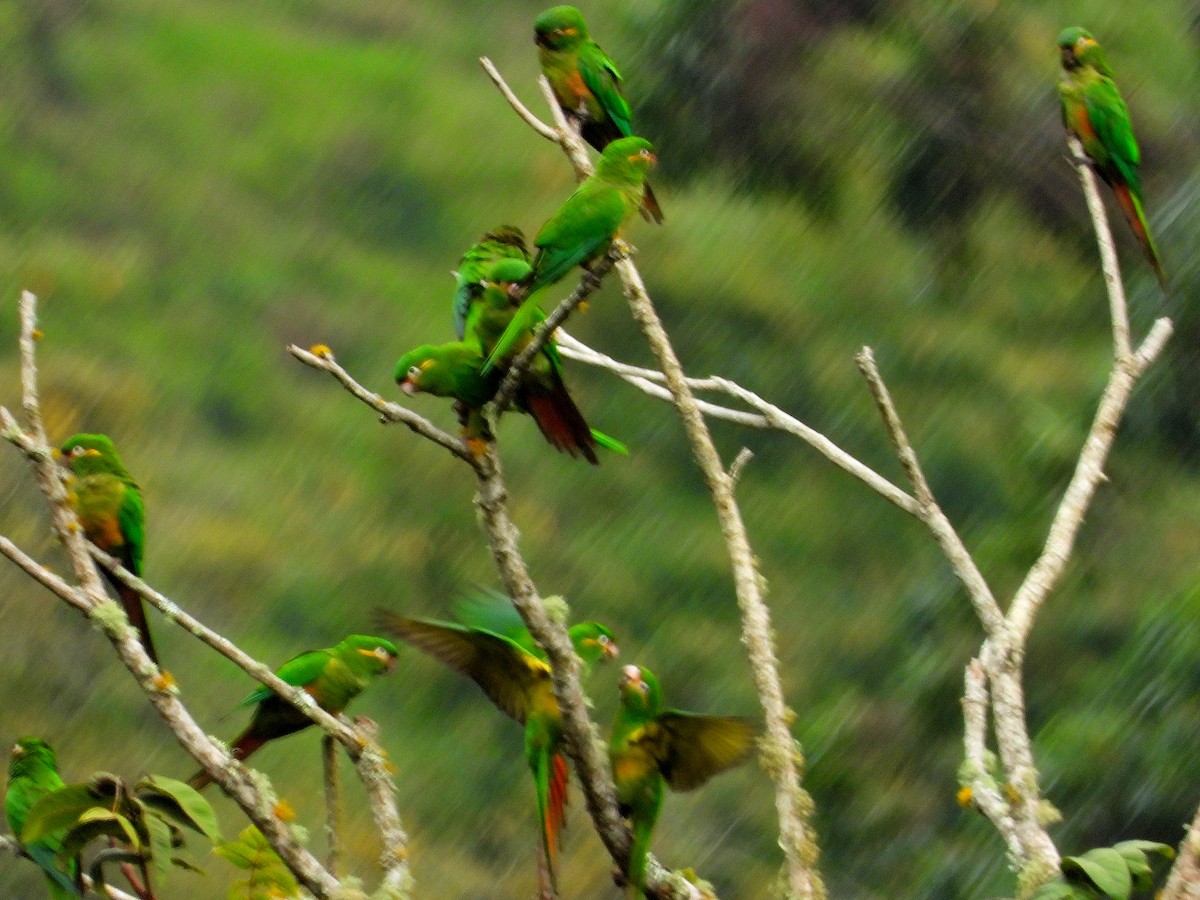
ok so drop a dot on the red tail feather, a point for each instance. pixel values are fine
(560, 421)
(1137, 223)
(556, 812)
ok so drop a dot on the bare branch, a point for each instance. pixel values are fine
(782, 755)
(1183, 882)
(376, 777)
(977, 774)
(767, 415)
(1118, 308)
(388, 412)
(522, 110)
(333, 803)
(929, 512)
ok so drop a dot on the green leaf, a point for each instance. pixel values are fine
(1055, 890)
(1164, 850)
(57, 811)
(160, 842)
(1104, 868)
(98, 822)
(268, 876)
(181, 802)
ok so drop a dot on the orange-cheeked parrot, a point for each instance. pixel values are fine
(512, 671)
(651, 747)
(583, 228)
(1094, 112)
(333, 677)
(587, 84)
(33, 773)
(108, 503)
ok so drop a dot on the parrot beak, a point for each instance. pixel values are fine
(408, 387)
(390, 665)
(631, 675)
(611, 650)
(18, 750)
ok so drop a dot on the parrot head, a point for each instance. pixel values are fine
(627, 159)
(559, 28)
(507, 271)
(86, 454)
(1079, 48)
(640, 692)
(509, 235)
(374, 654)
(29, 753)
(593, 642)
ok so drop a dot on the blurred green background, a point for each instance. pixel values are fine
(189, 186)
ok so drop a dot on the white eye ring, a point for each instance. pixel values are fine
(414, 371)
(382, 653)
(78, 450)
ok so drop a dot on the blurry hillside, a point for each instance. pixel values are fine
(189, 186)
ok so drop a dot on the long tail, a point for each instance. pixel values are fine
(246, 744)
(560, 420)
(650, 210)
(551, 782)
(136, 613)
(1132, 207)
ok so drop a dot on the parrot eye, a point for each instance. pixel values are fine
(78, 450)
(382, 653)
(414, 372)
(644, 154)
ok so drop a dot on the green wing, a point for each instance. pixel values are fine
(578, 232)
(494, 612)
(506, 672)
(131, 518)
(692, 748)
(1110, 117)
(299, 671)
(601, 77)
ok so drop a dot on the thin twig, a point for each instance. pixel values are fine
(333, 803)
(767, 416)
(522, 110)
(388, 412)
(1118, 308)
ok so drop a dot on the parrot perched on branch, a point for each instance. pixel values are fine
(1094, 112)
(651, 747)
(333, 677)
(512, 670)
(108, 503)
(33, 773)
(582, 230)
(587, 84)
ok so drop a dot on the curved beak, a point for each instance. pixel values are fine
(408, 387)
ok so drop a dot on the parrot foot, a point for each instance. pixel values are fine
(477, 446)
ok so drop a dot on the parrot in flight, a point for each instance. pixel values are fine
(587, 84)
(108, 503)
(651, 747)
(333, 677)
(582, 230)
(494, 650)
(1094, 112)
(33, 773)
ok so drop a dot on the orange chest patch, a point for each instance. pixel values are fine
(577, 92)
(104, 532)
(1081, 124)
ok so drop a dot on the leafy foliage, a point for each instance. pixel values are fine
(146, 821)
(266, 875)
(1111, 873)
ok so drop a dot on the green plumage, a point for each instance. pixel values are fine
(1094, 111)
(583, 229)
(332, 677)
(586, 83)
(505, 242)
(651, 747)
(108, 503)
(512, 671)
(33, 773)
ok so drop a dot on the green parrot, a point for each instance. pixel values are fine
(583, 228)
(108, 503)
(333, 677)
(512, 671)
(505, 242)
(1094, 112)
(586, 83)
(33, 773)
(456, 370)
(651, 746)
